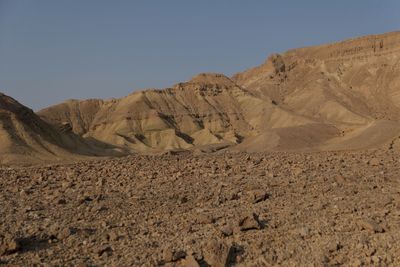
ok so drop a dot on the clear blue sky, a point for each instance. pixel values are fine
(52, 50)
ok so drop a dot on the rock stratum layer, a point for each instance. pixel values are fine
(338, 96)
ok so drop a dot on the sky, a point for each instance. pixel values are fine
(53, 50)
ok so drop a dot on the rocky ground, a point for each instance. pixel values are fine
(274, 209)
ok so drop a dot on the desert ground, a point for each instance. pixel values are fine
(294, 162)
(222, 209)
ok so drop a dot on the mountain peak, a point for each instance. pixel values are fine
(211, 78)
(10, 104)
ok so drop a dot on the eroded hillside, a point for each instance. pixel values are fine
(337, 96)
(25, 138)
(353, 85)
(210, 109)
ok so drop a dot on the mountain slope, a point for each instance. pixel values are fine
(350, 84)
(344, 95)
(25, 138)
(207, 110)
(357, 79)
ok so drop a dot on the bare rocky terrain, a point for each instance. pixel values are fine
(223, 209)
(291, 163)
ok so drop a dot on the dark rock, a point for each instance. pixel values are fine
(105, 251)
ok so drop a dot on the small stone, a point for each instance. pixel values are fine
(374, 162)
(65, 233)
(204, 219)
(106, 250)
(171, 255)
(61, 201)
(179, 254)
(375, 259)
(227, 230)
(98, 208)
(334, 246)
(190, 261)
(356, 263)
(304, 232)
(249, 223)
(297, 171)
(183, 200)
(216, 253)
(9, 245)
(371, 226)
(53, 231)
(113, 236)
(167, 254)
(256, 196)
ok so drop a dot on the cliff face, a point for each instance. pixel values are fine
(335, 96)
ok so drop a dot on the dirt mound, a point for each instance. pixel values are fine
(25, 138)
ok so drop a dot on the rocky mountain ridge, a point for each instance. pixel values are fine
(338, 96)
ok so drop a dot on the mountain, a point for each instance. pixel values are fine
(344, 95)
(209, 110)
(353, 85)
(25, 138)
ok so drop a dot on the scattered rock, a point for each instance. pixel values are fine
(371, 226)
(256, 196)
(113, 236)
(249, 222)
(65, 233)
(216, 253)
(61, 201)
(334, 246)
(172, 255)
(179, 254)
(190, 261)
(9, 245)
(183, 200)
(297, 171)
(311, 219)
(304, 232)
(374, 162)
(105, 251)
(204, 219)
(227, 230)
